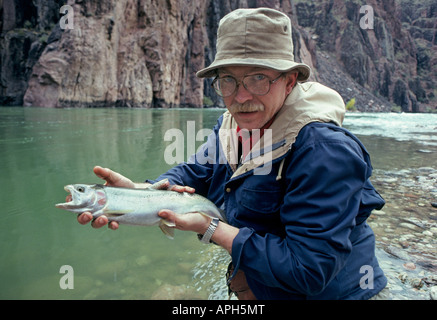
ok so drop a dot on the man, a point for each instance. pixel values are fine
(296, 221)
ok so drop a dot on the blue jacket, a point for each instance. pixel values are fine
(302, 210)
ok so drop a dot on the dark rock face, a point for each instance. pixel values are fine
(24, 28)
(144, 53)
(386, 60)
(119, 53)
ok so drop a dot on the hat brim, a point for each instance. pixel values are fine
(275, 64)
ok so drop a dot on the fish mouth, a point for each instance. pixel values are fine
(71, 204)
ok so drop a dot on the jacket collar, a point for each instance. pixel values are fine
(308, 102)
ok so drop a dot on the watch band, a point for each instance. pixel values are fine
(206, 238)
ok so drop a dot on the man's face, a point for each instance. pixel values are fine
(242, 103)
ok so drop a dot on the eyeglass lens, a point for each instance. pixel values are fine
(257, 84)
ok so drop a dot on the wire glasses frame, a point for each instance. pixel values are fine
(257, 84)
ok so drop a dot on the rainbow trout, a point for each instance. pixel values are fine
(136, 206)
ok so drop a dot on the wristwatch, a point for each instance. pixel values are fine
(206, 238)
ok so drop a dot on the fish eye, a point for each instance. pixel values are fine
(80, 189)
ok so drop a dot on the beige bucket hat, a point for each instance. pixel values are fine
(255, 37)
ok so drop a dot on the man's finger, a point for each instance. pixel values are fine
(113, 178)
(84, 218)
(99, 222)
(113, 225)
(167, 215)
(182, 189)
(105, 174)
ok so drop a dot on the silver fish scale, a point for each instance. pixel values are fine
(141, 207)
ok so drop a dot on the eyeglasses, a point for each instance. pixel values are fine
(257, 84)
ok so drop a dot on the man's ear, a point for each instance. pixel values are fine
(291, 79)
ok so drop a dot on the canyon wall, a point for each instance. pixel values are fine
(144, 53)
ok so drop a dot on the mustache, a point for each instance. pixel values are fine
(246, 107)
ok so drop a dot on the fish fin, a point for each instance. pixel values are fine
(168, 223)
(204, 213)
(167, 228)
(222, 217)
(114, 214)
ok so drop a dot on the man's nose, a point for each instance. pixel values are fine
(242, 94)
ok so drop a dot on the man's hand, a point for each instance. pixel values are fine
(224, 235)
(86, 217)
(114, 179)
(194, 221)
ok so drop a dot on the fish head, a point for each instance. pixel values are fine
(84, 197)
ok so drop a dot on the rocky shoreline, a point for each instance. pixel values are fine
(406, 231)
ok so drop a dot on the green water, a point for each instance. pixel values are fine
(44, 149)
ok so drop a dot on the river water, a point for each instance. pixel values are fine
(44, 149)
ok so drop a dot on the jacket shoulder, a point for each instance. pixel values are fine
(319, 133)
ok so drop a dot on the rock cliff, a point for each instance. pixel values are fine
(144, 53)
(394, 60)
(122, 53)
